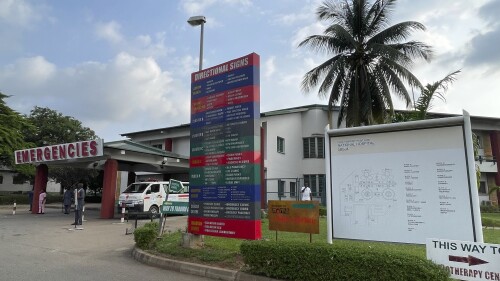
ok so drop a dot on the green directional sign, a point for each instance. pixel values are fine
(175, 208)
(176, 186)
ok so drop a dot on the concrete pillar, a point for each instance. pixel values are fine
(108, 189)
(41, 178)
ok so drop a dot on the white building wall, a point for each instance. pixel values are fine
(181, 145)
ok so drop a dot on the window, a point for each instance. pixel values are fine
(1, 179)
(281, 188)
(18, 179)
(293, 189)
(316, 183)
(482, 188)
(155, 188)
(314, 147)
(281, 145)
(157, 146)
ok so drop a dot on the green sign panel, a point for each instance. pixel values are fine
(175, 208)
(176, 186)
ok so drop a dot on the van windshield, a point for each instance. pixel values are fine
(136, 188)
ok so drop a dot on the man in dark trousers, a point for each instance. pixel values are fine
(79, 202)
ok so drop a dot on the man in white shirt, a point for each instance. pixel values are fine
(306, 193)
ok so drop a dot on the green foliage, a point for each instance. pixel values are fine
(12, 124)
(430, 92)
(322, 211)
(338, 262)
(68, 130)
(145, 236)
(368, 60)
(489, 209)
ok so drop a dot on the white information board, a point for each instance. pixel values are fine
(402, 186)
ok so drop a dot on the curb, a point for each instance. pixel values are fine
(195, 269)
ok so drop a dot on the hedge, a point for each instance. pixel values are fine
(145, 236)
(9, 199)
(305, 261)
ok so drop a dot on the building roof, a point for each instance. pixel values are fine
(129, 145)
(480, 122)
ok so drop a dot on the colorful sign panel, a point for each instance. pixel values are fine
(225, 150)
(294, 216)
(66, 151)
(466, 260)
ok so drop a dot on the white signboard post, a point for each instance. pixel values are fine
(466, 260)
(403, 182)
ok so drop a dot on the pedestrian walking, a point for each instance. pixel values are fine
(306, 193)
(42, 198)
(79, 202)
(67, 198)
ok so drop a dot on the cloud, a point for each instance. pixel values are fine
(269, 67)
(197, 7)
(125, 94)
(109, 31)
(19, 13)
(482, 47)
(35, 71)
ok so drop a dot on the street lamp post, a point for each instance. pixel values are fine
(194, 21)
(192, 240)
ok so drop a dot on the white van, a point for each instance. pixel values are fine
(149, 195)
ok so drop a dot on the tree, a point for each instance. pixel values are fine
(67, 130)
(12, 126)
(427, 95)
(368, 60)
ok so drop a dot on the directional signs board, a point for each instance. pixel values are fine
(224, 175)
(466, 260)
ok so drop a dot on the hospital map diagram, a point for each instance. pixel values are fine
(368, 196)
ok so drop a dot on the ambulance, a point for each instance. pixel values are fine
(148, 196)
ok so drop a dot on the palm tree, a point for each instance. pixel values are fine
(431, 91)
(368, 60)
(424, 102)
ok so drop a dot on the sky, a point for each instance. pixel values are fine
(122, 66)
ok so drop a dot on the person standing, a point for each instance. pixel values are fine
(67, 197)
(79, 201)
(30, 199)
(41, 202)
(306, 193)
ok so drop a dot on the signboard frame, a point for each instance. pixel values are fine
(333, 185)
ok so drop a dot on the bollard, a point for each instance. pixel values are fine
(122, 220)
(14, 208)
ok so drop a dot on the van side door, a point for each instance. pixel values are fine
(155, 195)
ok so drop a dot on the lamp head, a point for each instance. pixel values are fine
(197, 20)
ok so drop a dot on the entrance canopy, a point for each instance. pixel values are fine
(131, 157)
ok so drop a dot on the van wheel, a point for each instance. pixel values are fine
(154, 211)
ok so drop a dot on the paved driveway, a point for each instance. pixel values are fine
(45, 247)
